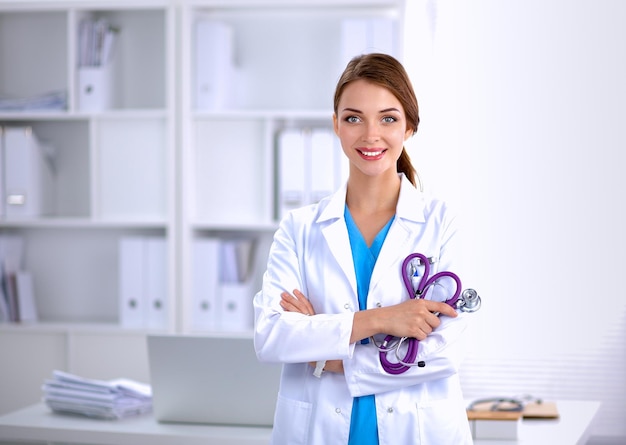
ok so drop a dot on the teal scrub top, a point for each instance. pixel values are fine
(364, 427)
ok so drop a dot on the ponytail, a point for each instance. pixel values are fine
(405, 166)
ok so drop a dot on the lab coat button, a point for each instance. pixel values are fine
(346, 306)
(338, 410)
(379, 304)
(390, 410)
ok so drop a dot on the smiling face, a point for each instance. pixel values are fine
(371, 125)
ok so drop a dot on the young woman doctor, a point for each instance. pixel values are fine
(333, 281)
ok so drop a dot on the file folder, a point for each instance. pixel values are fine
(381, 36)
(2, 179)
(155, 262)
(214, 70)
(11, 257)
(324, 160)
(354, 40)
(28, 175)
(143, 282)
(236, 306)
(131, 282)
(292, 175)
(368, 35)
(27, 307)
(205, 283)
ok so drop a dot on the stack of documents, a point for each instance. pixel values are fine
(53, 100)
(113, 399)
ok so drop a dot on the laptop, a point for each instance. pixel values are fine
(211, 380)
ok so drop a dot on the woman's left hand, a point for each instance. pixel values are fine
(298, 302)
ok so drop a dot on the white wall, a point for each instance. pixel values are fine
(522, 106)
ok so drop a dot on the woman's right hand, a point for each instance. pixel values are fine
(415, 318)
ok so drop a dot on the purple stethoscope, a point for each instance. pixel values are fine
(466, 301)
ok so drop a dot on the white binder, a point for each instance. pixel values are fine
(354, 40)
(381, 36)
(235, 288)
(131, 281)
(367, 35)
(28, 175)
(324, 160)
(292, 174)
(214, 70)
(156, 304)
(2, 180)
(236, 312)
(26, 297)
(205, 284)
(143, 282)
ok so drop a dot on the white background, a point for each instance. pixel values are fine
(522, 106)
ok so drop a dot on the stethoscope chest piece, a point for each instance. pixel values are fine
(469, 301)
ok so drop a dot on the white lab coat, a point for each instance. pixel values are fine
(311, 252)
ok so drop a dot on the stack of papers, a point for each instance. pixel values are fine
(53, 100)
(113, 399)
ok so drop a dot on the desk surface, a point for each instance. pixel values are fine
(38, 423)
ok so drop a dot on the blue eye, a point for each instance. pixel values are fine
(352, 119)
(389, 119)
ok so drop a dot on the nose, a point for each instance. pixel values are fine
(371, 133)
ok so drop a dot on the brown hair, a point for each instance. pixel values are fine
(386, 71)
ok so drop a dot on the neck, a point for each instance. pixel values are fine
(372, 195)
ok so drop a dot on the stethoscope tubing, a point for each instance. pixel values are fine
(393, 343)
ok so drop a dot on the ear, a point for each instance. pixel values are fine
(408, 133)
(336, 124)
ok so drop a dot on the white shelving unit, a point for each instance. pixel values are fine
(154, 163)
(281, 62)
(115, 176)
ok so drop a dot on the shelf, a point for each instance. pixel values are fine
(75, 328)
(83, 223)
(268, 227)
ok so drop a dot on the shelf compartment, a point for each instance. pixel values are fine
(75, 273)
(42, 37)
(130, 169)
(69, 140)
(232, 173)
(139, 57)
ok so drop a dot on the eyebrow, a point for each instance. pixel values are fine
(354, 110)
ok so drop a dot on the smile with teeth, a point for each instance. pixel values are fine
(371, 154)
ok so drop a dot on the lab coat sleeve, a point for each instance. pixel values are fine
(289, 337)
(442, 351)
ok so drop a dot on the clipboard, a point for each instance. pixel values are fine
(532, 410)
(540, 410)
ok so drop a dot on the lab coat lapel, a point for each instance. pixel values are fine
(392, 254)
(335, 234)
(410, 210)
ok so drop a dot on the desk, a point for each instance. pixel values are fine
(38, 423)
(571, 428)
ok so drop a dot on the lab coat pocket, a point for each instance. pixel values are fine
(291, 422)
(443, 422)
